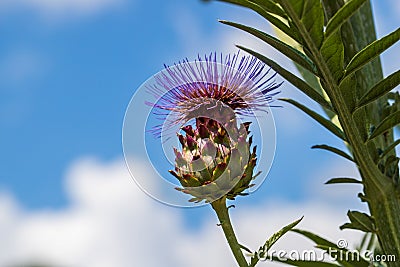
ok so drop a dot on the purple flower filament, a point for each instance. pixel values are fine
(241, 83)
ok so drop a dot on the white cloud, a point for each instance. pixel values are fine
(110, 222)
(54, 8)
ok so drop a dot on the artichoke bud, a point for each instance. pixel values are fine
(181, 140)
(215, 161)
(219, 170)
(208, 149)
(203, 131)
(179, 159)
(191, 143)
(188, 130)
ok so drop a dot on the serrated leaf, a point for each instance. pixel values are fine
(380, 89)
(285, 49)
(307, 76)
(313, 19)
(311, 14)
(270, 6)
(359, 221)
(311, 79)
(265, 14)
(313, 82)
(349, 92)
(323, 121)
(343, 180)
(315, 238)
(276, 236)
(298, 6)
(387, 124)
(334, 150)
(332, 51)
(342, 15)
(293, 79)
(289, 31)
(371, 51)
(272, 240)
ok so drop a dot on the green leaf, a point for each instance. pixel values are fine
(332, 51)
(334, 150)
(315, 238)
(342, 15)
(311, 14)
(275, 237)
(343, 180)
(348, 89)
(313, 19)
(359, 221)
(271, 241)
(313, 82)
(311, 48)
(389, 148)
(364, 241)
(298, 6)
(310, 78)
(285, 49)
(371, 51)
(324, 122)
(380, 89)
(271, 7)
(372, 244)
(245, 248)
(265, 14)
(388, 123)
(293, 79)
(325, 244)
(391, 162)
(291, 32)
(307, 76)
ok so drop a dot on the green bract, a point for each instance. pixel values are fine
(215, 159)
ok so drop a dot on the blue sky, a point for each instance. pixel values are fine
(66, 80)
(68, 95)
(67, 74)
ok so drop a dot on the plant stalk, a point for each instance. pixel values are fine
(384, 202)
(383, 199)
(223, 216)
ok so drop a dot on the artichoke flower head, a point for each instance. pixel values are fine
(216, 157)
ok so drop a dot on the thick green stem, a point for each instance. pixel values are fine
(384, 199)
(223, 216)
